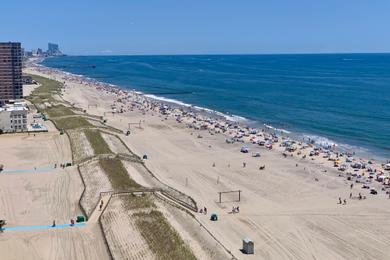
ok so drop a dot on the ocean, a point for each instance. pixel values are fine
(331, 98)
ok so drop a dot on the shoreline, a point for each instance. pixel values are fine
(369, 153)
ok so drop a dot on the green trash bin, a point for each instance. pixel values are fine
(80, 219)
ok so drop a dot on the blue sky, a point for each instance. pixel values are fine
(198, 26)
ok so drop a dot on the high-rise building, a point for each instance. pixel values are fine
(53, 49)
(10, 71)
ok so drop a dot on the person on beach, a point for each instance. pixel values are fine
(360, 196)
(345, 202)
(205, 210)
(244, 164)
(340, 202)
(351, 186)
(350, 195)
(72, 222)
(54, 223)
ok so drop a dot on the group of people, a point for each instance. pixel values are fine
(236, 209)
(71, 223)
(203, 211)
(344, 202)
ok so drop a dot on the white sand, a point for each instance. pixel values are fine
(114, 143)
(82, 148)
(96, 181)
(41, 196)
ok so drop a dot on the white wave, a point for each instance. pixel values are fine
(281, 130)
(320, 140)
(169, 100)
(235, 118)
(232, 118)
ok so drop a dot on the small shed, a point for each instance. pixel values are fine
(248, 246)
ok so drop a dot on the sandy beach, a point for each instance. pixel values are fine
(289, 200)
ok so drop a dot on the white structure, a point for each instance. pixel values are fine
(13, 117)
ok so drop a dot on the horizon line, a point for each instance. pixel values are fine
(229, 54)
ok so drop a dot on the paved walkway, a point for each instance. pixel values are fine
(43, 227)
(97, 212)
(33, 170)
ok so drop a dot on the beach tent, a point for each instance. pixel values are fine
(244, 149)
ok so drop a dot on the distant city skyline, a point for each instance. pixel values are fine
(199, 27)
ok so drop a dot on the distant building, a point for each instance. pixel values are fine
(37, 52)
(10, 71)
(13, 117)
(53, 49)
(28, 54)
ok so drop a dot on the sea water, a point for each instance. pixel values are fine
(331, 98)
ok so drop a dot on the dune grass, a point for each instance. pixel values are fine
(72, 123)
(60, 110)
(117, 174)
(97, 142)
(143, 201)
(162, 239)
(46, 90)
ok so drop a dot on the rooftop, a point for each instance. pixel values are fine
(16, 106)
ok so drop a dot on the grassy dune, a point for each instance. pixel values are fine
(97, 142)
(72, 123)
(162, 239)
(58, 111)
(46, 91)
(117, 174)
